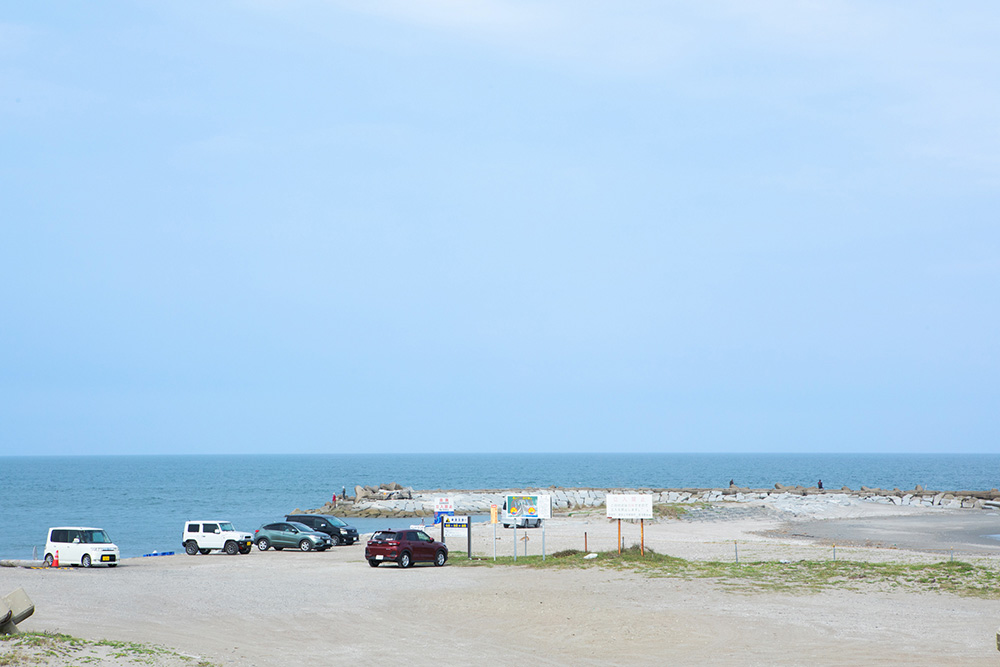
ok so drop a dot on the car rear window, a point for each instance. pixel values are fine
(384, 536)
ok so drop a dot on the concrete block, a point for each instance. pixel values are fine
(14, 608)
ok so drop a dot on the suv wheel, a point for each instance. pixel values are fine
(204, 552)
(373, 562)
(232, 548)
(305, 545)
(404, 560)
(263, 544)
(191, 548)
(440, 557)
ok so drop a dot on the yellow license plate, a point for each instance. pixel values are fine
(105, 559)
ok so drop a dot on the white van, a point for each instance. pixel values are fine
(79, 545)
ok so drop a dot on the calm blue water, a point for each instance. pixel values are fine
(142, 501)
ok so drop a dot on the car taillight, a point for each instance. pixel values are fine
(256, 531)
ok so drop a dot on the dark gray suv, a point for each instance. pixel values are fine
(339, 532)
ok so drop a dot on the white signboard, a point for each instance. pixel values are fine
(455, 526)
(544, 507)
(443, 505)
(629, 506)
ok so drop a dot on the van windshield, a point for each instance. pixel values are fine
(94, 537)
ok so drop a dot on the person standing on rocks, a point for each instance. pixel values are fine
(820, 485)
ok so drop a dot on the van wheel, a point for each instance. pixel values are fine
(86, 560)
(305, 545)
(404, 560)
(263, 544)
(440, 558)
(336, 540)
(191, 548)
(232, 548)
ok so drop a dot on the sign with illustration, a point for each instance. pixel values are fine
(629, 505)
(529, 507)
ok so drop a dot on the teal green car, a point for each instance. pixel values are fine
(290, 534)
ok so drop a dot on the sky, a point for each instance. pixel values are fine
(499, 226)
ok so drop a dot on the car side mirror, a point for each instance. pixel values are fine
(76, 540)
(294, 531)
(218, 531)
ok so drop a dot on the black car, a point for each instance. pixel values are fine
(339, 532)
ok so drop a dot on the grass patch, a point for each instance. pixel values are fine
(957, 578)
(30, 649)
(676, 511)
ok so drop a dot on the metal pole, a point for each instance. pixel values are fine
(543, 539)
(619, 537)
(442, 528)
(737, 548)
(642, 537)
(494, 541)
(469, 526)
(585, 550)
(515, 540)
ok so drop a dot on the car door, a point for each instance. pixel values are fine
(210, 537)
(285, 535)
(74, 547)
(424, 546)
(322, 526)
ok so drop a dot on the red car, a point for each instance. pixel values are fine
(405, 547)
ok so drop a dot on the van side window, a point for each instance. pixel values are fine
(193, 527)
(60, 535)
(74, 535)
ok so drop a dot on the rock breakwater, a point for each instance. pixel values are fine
(393, 500)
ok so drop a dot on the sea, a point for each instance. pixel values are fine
(143, 501)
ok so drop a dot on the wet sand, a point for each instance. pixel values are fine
(964, 532)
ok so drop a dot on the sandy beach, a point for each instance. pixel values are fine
(270, 608)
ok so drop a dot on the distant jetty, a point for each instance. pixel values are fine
(394, 500)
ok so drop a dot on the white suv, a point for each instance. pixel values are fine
(200, 537)
(77, 545)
